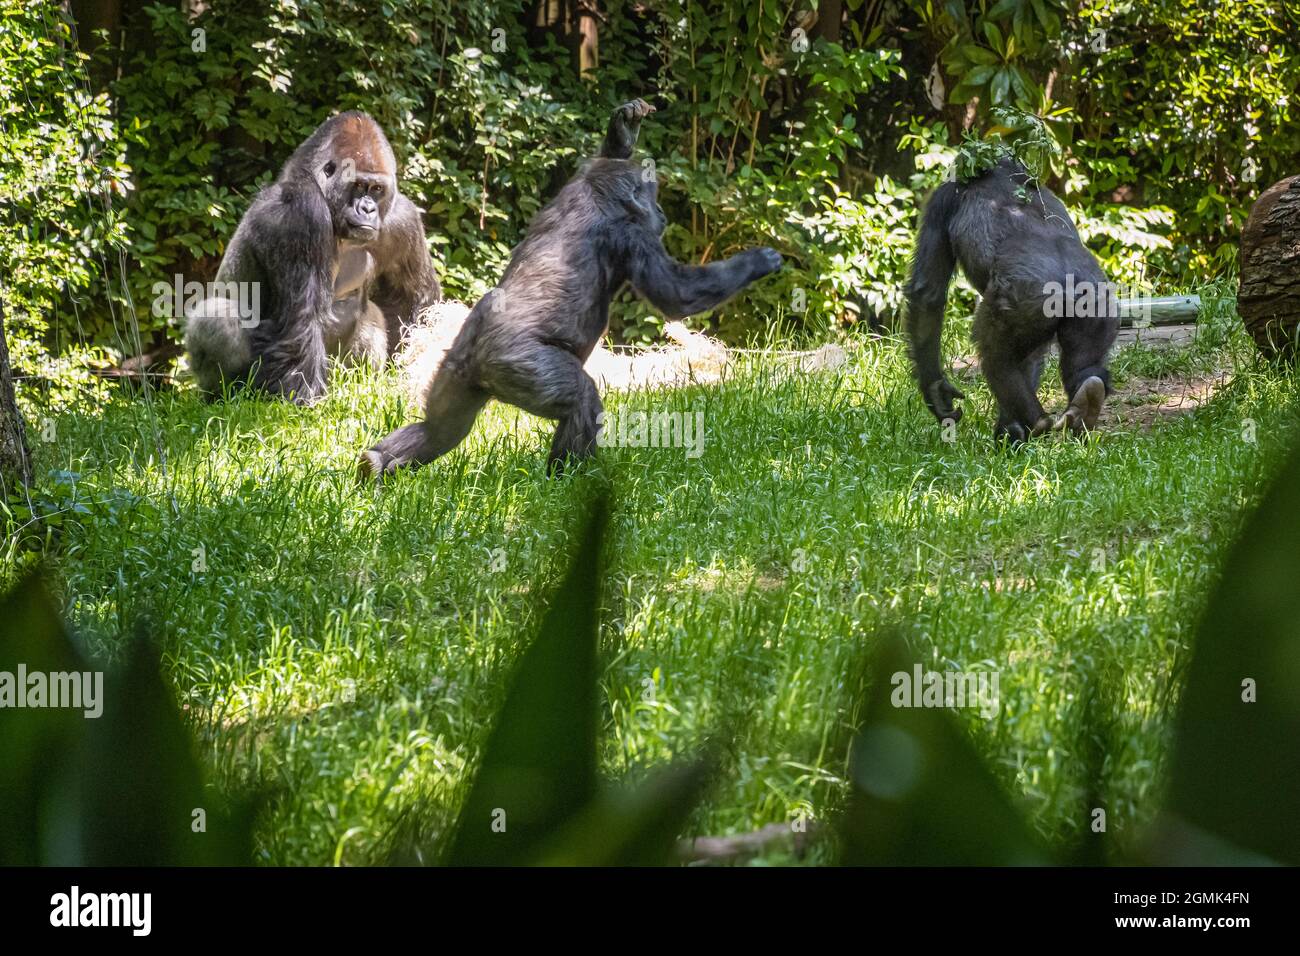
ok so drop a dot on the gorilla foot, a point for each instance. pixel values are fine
(1045, 424)
(564, 463)
(1082, 414)
(1010, 433)
(1086, 405)
(370, 466)
(402, 448)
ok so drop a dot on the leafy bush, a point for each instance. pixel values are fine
(61, 173)
(1159, 122)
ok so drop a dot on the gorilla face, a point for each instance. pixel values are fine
(358, 178)
(360, 213)
(359, 199)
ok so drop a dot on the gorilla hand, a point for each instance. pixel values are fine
(624, 128)
(939, 397)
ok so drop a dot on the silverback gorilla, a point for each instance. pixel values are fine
(339, 263)
(525, 342)
(1022, 255)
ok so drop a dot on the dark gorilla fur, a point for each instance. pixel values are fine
(341, 264)
(525, 342)
(1010, 249)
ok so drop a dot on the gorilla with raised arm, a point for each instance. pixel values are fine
(525, 342)
(1016, 244)
(339, 265)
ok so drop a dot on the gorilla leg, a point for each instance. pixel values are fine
(1084, 347)
(452, 406)
(550, 383)
(217, 344)
(1012, 363)
(368, 342)
(575, 437)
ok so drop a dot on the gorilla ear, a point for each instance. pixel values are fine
(635, 203)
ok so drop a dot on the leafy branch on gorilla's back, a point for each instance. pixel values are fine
(1015, 133)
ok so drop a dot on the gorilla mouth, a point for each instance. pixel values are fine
(360, 231)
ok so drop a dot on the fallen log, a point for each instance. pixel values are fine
(731, 849)
(1143, 311)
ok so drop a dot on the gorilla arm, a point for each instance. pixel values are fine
(678, 290)
(405, 282)
(933, 264)
(675, 288)
(624, 128)
(294, 249)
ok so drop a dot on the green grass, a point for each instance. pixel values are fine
(345, 648)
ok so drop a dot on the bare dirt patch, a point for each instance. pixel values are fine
(1144, 403)
(1141, 402)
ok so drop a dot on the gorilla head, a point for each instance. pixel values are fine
(355, 169)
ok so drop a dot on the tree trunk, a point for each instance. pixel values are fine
(588, 38)
(829, 15)
(1269, 296)
(15, 462)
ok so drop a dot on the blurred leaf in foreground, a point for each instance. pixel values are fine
(1236, 767)
(112, 781)
(535, 798)
(921, 795)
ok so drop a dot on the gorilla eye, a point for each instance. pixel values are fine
(378, 190)
(329, 168)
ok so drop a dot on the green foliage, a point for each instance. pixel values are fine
(122, 787)
(478, 124)
(1013, 133)
(539, 766)
(1140, 115)
(999, 50)
(1124, 238)
(1191, 104)
(750, 581)
(61, 165)
(1236, 763)
(920, 795)
(744, 164)
(535, 797)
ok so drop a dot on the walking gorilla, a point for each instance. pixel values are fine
(339, 261)
(1022, 255)
(525, 342)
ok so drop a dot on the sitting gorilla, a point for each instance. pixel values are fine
(338, 263)
(525, 342)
